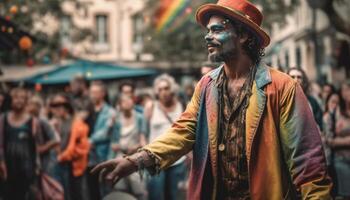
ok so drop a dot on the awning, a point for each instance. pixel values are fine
(90, 70)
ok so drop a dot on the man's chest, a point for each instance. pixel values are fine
(233, 87)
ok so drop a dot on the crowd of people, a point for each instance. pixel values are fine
(68, 134)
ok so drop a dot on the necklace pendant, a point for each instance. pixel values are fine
(221, 147)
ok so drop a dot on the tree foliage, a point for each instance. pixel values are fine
(275, 10)
(26, 14)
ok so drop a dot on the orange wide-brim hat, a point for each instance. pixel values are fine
(237, 10)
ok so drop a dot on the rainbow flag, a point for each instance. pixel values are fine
(175, 9)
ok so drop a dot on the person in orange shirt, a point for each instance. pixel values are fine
(73, 151)
(78, 145)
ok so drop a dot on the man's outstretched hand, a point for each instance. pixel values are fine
(115, 169)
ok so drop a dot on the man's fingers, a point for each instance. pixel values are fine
(111, 176)
(102, 174)
(101, 166)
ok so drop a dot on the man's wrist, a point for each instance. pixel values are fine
(144, 159)
(133, 162)
(141, 159)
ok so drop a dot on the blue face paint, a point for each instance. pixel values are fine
(224, 37)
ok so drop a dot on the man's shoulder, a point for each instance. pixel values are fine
(280, 80)
(212, 75)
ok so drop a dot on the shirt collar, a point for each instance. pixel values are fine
(262, 76)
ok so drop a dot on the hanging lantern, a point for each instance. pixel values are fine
(38, 87)
(13, 10)
(30, 62)
(25, 43)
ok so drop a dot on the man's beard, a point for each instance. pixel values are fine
(223, 55)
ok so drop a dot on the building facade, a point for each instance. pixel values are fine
(307, 40)
(116, 27)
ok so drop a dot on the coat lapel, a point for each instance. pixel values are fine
(212, 103)
(257, 103)
(212, 118)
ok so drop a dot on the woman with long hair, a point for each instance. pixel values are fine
(340, 143)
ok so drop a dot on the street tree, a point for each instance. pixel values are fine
(41, 21)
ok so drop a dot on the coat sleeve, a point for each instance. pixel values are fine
(302, 146)
(179, 139)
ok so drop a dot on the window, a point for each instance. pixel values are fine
(298, 56)
(102, 29)
(137, 34)
(286, 59)
(65, 29)
(137, 27)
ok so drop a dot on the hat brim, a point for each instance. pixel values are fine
(207, 10)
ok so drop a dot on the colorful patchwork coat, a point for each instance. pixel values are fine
(283, 146)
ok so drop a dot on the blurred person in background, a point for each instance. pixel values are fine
(315, 91)
(160, 115)
(208, 66)
(128, 88)
(100, 122)
(79, 91)
(128, 136)
(62, 121)
(299, 75)
(332, 102)
(144, 99)
(18, 157)
(4, 102)
(48, 139)
(329, 120)
(186, 93)
(327, 89)
(76, 152)
(340, 143)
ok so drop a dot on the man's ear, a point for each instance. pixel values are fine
(243, 38)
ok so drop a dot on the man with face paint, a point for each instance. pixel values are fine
(250, 127)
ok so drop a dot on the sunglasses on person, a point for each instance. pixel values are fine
(298, 77)
(58, 104)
